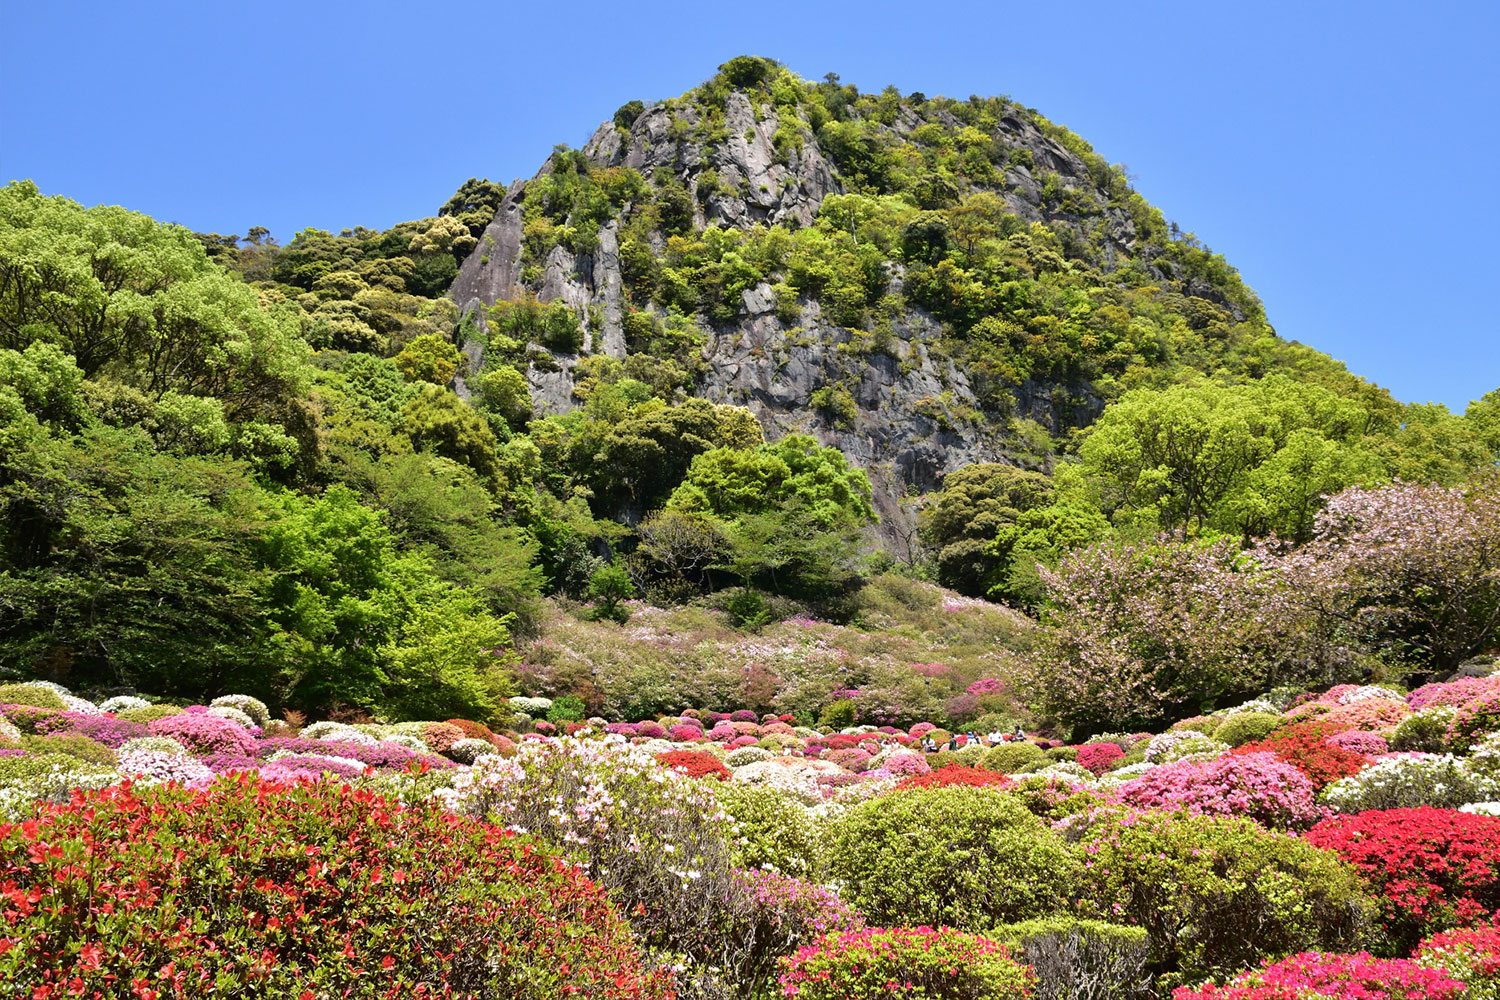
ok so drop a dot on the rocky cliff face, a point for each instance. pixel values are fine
(909, 413)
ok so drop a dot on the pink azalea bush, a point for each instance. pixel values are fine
(1096, 757)
(205, 734)
(1260, 786)
(1372, 744)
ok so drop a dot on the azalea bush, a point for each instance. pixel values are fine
(1445, 782)
(771, 830)
(1335, 977)
(1470, 955)
(303, 890)
(1259, 785)
(916, 962)
(960, 857)
(1218, 894)
(1430, 869)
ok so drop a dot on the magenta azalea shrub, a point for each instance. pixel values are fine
(106, 729)
(1260, 786)
(1096, 757)
(205, 734)
(1454, 693)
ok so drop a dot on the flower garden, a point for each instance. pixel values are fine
(1342, 843)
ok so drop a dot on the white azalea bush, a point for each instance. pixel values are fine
(1405, 782)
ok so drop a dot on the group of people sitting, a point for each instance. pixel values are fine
(956, 740)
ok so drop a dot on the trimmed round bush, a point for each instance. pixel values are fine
(1473, 721)
(1218, 894)
(254, 708)
(1429, 869)
(1014, 758)
(1097, 757)
(468, 750)
(1242, 727)
(1445, 782)
(1425, 731)
(122, 702)
(740, 756)
(205, 734)
(955, 856)
(450, 903)
(32, 694)
(694, 765)
(150, 713)
(919, 962)
(772, 830)
(1080, 959)
(71, 745)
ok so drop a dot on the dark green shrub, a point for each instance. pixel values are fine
(1014, 758)
(838, 715)
(1217, 895)
(1246, 727)
(1062, 753)
(568, 708)
(627, 113)
(956, 856)
(1051, 799)
(1081, 959)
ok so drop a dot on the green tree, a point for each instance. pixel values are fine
(429, 358)
(140, 301)
(962, 522)
(436, 420)
(609, 586)
(449, 660)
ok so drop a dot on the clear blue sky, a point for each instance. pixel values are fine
(1346, 157)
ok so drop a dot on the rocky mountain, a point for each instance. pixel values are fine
(923, 283)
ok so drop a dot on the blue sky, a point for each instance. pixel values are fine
(1343, 156)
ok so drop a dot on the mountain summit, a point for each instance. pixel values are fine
(923, 282)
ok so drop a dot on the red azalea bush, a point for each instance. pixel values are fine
(1096, 757)
(1306, 746)
(206, 734)
(880, 963)
(955, 774)
(303, 890)
(1335, 977)
(474, 730)
(1430, 869)
(694, 765)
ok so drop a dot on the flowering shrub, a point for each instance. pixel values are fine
(205, 734)
(396, 902)
(1370, 744)
(955, 774)
(740, 756)
(1445, 782)
(1260, 786)
(156, 765)
(770, 830)
(1425, 730)
(963, 857)
(1336, 977)
(1306, 746)
(941, 964)
(905, 763)
(1453, 693)
(1471, 956)
(45, 777)
(105, 729)
(440, 736)
(1217, 894)
(122, 703)
(252, 707)
(694, 765)
(656, 840)
(1476, 718)
(1096, 757)
(1430, 869)
(1369, 714)
(233, 715)
(384, 754)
